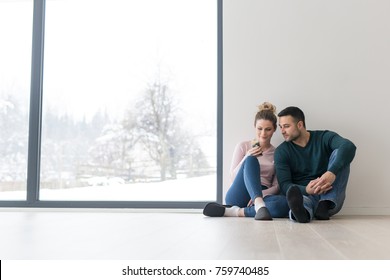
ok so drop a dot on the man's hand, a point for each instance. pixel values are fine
(322, 184)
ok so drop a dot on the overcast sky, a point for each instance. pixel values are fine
(104, 53)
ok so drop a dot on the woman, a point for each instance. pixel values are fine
(255, 190)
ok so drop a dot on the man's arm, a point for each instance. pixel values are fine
(345, 154)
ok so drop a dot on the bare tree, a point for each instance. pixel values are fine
(13, 140)
(157, 122)
(150, 141)
(112, 150)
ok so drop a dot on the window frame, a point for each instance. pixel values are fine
(35, 129)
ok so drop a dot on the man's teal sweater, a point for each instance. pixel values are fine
(296, 165)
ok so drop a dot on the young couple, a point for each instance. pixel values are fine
(304, 178)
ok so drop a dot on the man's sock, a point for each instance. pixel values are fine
(232, 211)
(322, 212)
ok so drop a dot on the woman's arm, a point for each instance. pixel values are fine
(239, 155)
(274, 189)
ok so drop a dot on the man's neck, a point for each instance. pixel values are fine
(303, 139)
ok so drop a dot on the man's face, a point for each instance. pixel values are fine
(289, 128)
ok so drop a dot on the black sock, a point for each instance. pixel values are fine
(322, 212)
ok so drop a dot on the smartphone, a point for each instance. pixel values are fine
(255, 144)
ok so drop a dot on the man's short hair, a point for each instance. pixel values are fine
(294, 112)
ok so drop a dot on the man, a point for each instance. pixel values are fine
(312, 167)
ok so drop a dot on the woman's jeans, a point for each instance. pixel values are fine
(336, 195)
(247, 186)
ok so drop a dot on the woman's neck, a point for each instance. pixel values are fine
(265, 145)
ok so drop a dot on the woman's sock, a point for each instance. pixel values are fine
(231, 211)
(259, 202)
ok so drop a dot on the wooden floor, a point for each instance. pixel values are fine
(186, 235)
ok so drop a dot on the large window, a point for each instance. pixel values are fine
(130, 91)
(15, 65)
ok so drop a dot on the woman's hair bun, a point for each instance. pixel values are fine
(266, 106)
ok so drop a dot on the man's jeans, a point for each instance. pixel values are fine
(335, 195)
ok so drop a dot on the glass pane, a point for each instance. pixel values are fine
(15, 70)
(130, 100)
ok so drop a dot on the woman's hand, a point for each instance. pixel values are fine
(255, 151)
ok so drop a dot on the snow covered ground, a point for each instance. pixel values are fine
(186, 189)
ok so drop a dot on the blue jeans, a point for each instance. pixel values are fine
(336, 195)
(247, 186)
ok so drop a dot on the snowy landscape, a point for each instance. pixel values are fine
(106, 189)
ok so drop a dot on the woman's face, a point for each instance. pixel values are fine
(264, 130)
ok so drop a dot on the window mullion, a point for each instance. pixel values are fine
(35, 116)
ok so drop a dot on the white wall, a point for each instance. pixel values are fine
(330, 58)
